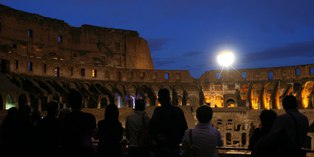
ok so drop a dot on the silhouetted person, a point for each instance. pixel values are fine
(8, 133)
(49, 131)
(287, 134)
(78, 128)
(205, 138)
(110, 133)
(267, 118)
(26, 137)
(167, 126)
(135, 122)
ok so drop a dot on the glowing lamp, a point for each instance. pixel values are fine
(226, 58)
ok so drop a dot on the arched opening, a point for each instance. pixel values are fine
(103, 102)
(105, 91)
(119, 96)
(255, 96)
(243, 139)
(9, 102)
(231, 103)
(228, 138)
(306, 94)
(218, 101)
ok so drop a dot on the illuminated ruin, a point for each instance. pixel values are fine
(44, 57)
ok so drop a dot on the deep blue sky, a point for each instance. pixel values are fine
(186, 34)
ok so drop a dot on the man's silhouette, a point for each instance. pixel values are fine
(167, 126)
(288, 133)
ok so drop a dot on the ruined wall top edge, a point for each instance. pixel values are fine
(8, 11)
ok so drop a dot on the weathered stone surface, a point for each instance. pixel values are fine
(44, 58)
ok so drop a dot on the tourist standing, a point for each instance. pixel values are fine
(110, 133)
(288, 133)
(48, 130)
(202, 140)
(167, 126)
(267, 118)
(78, 128)
(136, 122)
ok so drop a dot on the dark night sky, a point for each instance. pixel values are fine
(186, 34)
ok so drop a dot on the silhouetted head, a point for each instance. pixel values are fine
(53, 107)
(164, 96)
(267, 118)
(139, 105)
(289, 102)
(204, 114)
(75, 99)
(111, 112)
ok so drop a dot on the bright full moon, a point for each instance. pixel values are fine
(225, 58)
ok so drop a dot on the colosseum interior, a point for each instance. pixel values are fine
(44, 57)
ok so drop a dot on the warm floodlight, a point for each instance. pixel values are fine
(226, 58)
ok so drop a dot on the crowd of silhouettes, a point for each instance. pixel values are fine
(284, 135)
(70, 131)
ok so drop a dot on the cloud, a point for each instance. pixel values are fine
(192, 53)
(157, 44)
(293, 50)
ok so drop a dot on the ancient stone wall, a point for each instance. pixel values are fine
(33, 35)
(259, 88)
(44, 58)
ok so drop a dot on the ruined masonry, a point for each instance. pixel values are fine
(44, 58)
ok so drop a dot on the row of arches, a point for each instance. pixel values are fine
(270, 95)
(96, 94)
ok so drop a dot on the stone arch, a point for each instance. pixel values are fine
(131, 91)
(219, 101)
(243, 91)
(90, 98)
(256, 96)
(306, 94)
(94, 89)
(231, 103)
(104, 90)
(120, 88)
(45, 86)
(73, 85)
(243, 138)
(119, 93)
(32, 87)
(9, 102)
(181, 95)
(285, 89)
(269, 95)
(155, 88)
(58, 86)
(103, 101)
(17, 82)
(148, 95)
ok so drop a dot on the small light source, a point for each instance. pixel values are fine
(225, 58)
